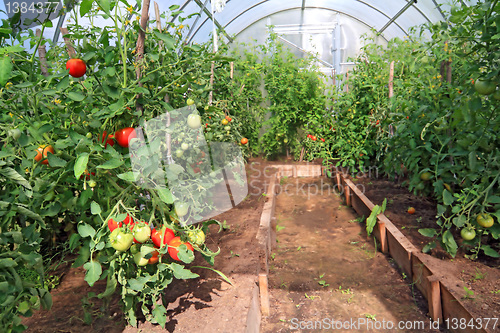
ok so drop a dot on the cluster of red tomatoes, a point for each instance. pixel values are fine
(314, 138)
(124, 234)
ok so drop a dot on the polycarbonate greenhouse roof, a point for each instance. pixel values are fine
(392, 17)
(330, 28)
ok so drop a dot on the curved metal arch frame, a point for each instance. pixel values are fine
(378, 10)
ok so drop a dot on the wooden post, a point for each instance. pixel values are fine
(434, 298)
(67, 41)
(231, 66)
(41, 54)
(210, 95)
(264, 295)
(158, 23)
(139, 49)
(391, 79)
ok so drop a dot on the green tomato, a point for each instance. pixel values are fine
(196, 236)
(227, 128)
(92, 183)
(185, 146)
(140, 260)
(181, 209)
(468, 233)
(484, 87)
(89, 135)
(15, 133)
(142, 232)
(189, 102)
(179, 152)
(194, 121)
(121, 240)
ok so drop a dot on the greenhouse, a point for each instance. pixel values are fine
(250, 166)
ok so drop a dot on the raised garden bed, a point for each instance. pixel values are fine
(448, 301)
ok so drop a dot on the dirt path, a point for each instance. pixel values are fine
(327, 272)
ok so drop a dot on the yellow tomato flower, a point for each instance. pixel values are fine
(8, 85)
(130, 9)
(57, 101)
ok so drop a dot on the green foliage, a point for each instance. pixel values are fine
(435, 122)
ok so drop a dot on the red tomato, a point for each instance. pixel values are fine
(109, 139)
(156, 236)
(42, 152)
(124, 136)
(112, 225)
(244, 141)
(77, 67)
(174, 244)
(313, 137)
(322, 139)
(411, 210)
(154, 258)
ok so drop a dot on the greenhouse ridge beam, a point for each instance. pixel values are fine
(209, 14)
(408, 5)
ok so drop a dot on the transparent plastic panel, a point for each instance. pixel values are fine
(171, 155)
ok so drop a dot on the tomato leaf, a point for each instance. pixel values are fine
(83, 254)
(449, 243)
(81, 164)
(5, 70)
(95, 209)
(74, 241)
(55, 161)
(448, 198)
(93, 272)
(489, 251)
(128, 176)
(110, 287)
(77, 97)
(180, 272)
(165, 195)
(85, 7)
(111, 164)
(86, 230)
(427, 232)
(166, 38)
(14, 176)
(160, 314)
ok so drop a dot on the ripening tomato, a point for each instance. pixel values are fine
(244, 141)
(411, 210)
(124, 135)
(485, 220)
(108, 138)
(41, 153)
(154, 258)
(77, 67)
(313, 137)
(224, 122)
(156, 236)
(173, 246)
(112, 225)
